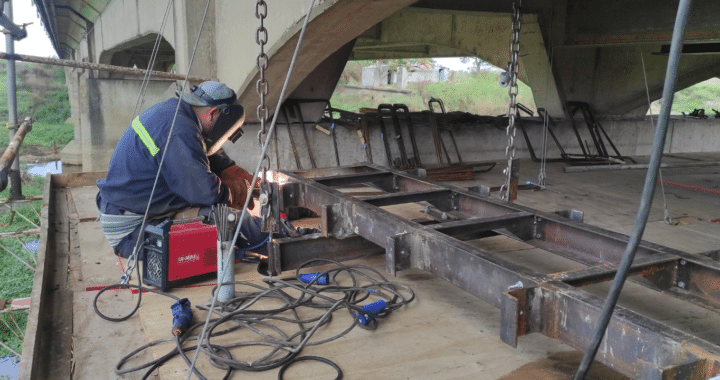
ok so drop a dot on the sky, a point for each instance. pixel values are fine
(37, 42)
(453, 63)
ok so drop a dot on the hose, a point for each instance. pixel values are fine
(648, 190)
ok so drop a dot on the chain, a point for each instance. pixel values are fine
(262, 87)
(512, 91)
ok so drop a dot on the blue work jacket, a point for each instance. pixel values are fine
(186, 179)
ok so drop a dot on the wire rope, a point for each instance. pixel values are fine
(666, 213)
(151, 62)
(257, 167)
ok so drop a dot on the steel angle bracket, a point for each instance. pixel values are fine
(397, 254)
(634, 345)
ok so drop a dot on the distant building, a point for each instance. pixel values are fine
(425, 72)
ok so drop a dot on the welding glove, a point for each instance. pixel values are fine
(238, 180)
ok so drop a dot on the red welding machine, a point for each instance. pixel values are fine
(179, 253)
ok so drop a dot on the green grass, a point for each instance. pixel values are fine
(16, 279)
(45, 134)
(477, 93)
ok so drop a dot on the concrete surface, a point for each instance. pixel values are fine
(445, 333)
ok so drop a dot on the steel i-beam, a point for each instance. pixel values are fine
(553, 305)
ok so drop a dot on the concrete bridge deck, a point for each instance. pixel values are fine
(445, 333)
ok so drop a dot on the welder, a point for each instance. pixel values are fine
(194, 174)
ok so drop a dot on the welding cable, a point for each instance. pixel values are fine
(285, 366)
(118, 286)
(249, 319)
(263, 151)
(271, 312)
(253, 248)
(648, 190)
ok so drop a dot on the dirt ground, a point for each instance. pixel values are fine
(34, 154)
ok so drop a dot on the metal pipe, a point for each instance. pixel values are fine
(11, 57)
(11, 156)
(648, 190)
(16, 188)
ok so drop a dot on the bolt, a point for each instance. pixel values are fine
(681, 284)
(444, 216)
(538, 236)
(683, 262)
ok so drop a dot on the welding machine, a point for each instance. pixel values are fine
(177, 253)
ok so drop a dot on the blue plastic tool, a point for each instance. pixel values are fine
(309, 277)
(371, 310)
(182, 316)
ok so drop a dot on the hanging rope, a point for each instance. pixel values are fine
(542, 176)
(230, 257)
(512, 106)
(666, 213)
(132, 262)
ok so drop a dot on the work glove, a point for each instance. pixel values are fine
(236, 178)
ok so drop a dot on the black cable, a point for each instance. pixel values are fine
(348, 287)
(648, 190)
(315, 358)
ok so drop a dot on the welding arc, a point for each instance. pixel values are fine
(279, 317)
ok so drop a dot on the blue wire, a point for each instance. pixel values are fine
(243, 250)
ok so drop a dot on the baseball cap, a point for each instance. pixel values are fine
(209, 94)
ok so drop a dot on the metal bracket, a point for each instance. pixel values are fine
(397, 254)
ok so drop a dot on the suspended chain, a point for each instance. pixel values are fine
(512, 91)
(261, 86)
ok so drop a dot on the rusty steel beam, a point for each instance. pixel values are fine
(553, 304)
(99, 66)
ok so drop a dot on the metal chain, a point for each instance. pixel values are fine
(512, 91)
(261, 86)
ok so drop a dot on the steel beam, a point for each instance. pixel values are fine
(553, 305)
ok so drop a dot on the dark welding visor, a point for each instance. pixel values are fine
(228, 127)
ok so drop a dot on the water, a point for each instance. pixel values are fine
(9, 367)
(54, 167)
(32, 245)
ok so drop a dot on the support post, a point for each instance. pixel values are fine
(16, 187)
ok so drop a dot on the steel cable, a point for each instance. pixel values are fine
(648, 190)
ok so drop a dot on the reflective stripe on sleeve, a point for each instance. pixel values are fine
(145, 136)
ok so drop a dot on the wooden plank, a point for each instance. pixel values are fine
(31, 352)
(76, 179)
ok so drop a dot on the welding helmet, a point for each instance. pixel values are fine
(232, 115)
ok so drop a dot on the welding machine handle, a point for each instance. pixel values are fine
(182, 316)
(310, 277)
(371, 310)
